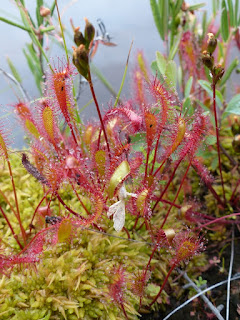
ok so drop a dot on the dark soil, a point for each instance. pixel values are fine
(215, 273)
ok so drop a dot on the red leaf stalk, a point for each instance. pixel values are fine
(170, 208)
(98, 111)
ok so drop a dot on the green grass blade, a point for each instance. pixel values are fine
(14, 70)
(101, 77)
(224, 22)
(124, 76)
(53, 6)
(39, 17)
(229, 71)
(86, 105)
(231, 14)
(15, 24)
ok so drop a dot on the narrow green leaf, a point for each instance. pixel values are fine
(187, 107)
(39, 17)
(188, 87)
(15, 24)
(171, 74)
(101, 77)
(161, 62)
(47, 29)
(53, 6)
(157, 17)
(211, 140)
(196, 6)
(33, 69)
(224, 22)
(163, 9)
(233, 106)
(123, 78)
(231, 14)
(177, 7)
(207, 86)
(229, 71)
(204, 24)
(202, 105)
(175, 46)
(180, 75)
(14, 70)
(34, 57)
(85, 106)
(214, 8)
(155, 71)
(154, 67)
(118, 176)
(236, 13)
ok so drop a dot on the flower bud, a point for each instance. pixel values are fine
(89, 32)
(212, 43)
(207, 60)
(235, 126)
(80, 60)
(78, 37)
(218, 72)
(170, 234)
(44, 12)
(236, 143)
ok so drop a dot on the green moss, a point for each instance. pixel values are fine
(72, 279)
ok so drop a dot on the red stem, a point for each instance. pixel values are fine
(69, 209)
(79, 199)
(165, 219)
(167, 185)
(44, 197)
(98, 111)
(11, 228)
(217, 135)
(217, 220)
(16, 202)
(124, 311)
(146, 167)
(163, 285)
(234, 191)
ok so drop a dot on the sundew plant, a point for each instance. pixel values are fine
(98, 217)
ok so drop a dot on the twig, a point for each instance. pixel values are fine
(14, 80)
(205, 299)
(235, 277)
(229, 275)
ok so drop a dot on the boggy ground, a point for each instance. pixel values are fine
(216, 271)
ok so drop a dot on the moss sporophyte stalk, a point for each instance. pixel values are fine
(96, 217)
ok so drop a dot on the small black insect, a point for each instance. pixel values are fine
(52, 220)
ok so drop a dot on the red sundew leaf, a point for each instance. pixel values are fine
(180, 134)
(202, 171)
(48, 121)
(139, 282)
(165, 98)
(139, 86)
(23, 111)
(132, 120)
(117, 287)
(31, 128)
(195, 136)
(3, 146)
(186, 245)
(151, 127)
